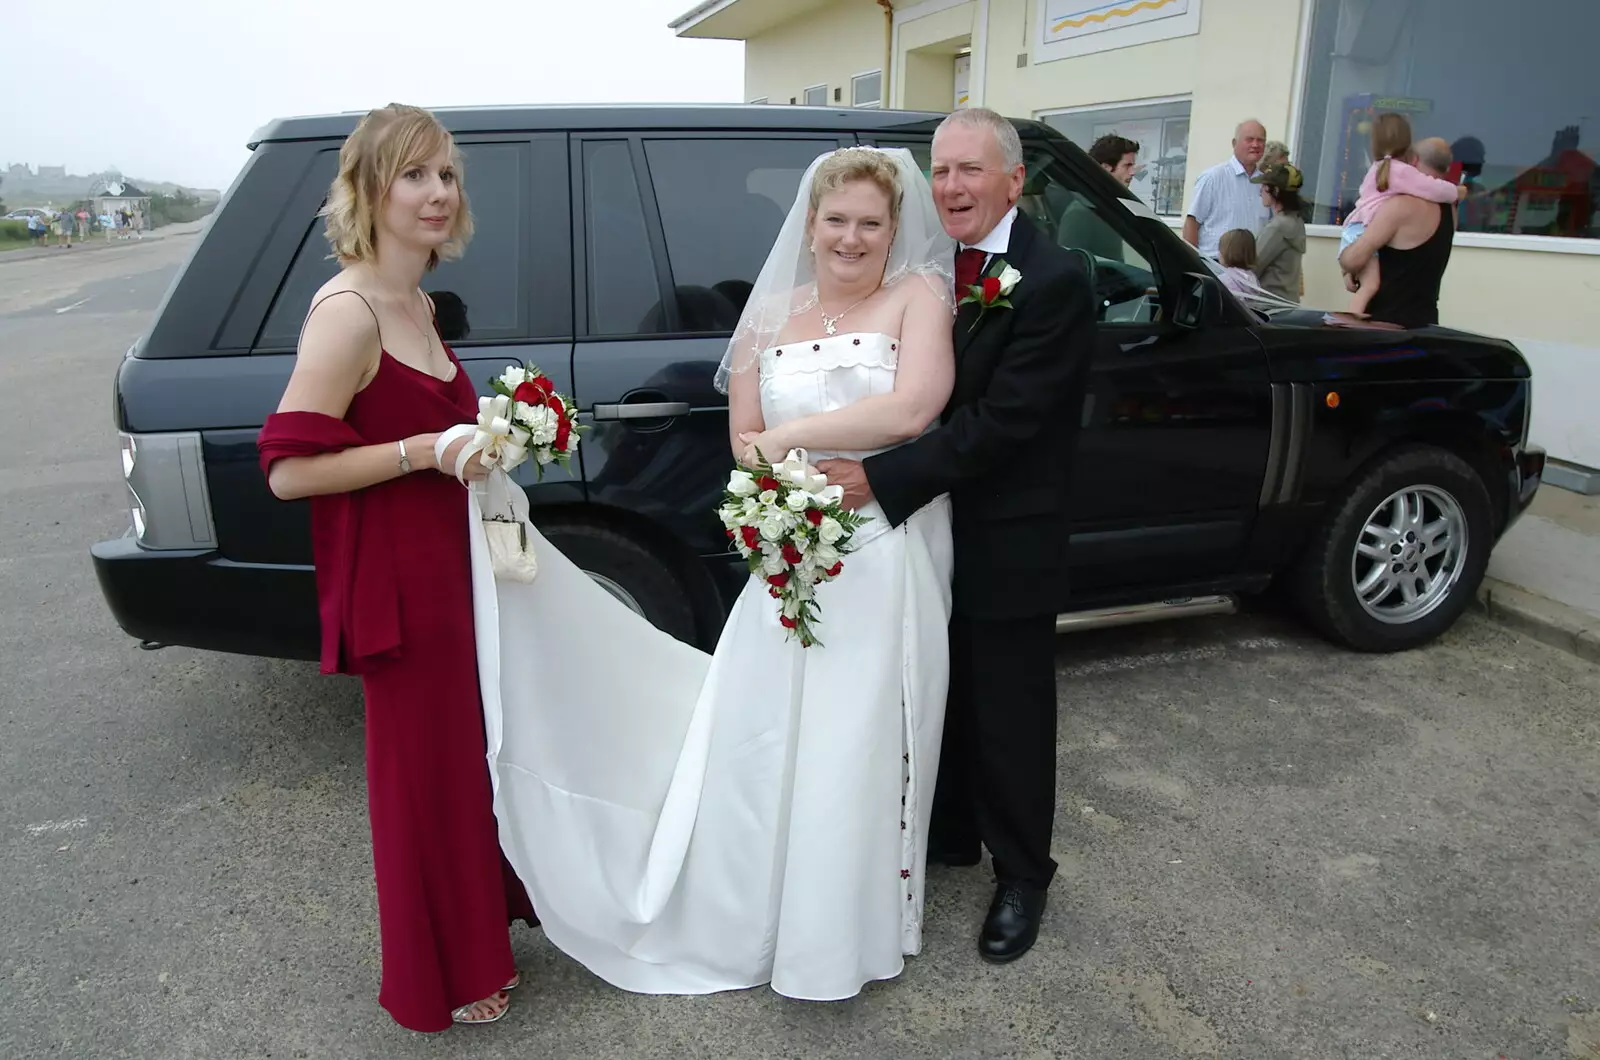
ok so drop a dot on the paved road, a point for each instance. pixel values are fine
(1269, 848)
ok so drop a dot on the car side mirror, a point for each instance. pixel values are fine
(1200, 301)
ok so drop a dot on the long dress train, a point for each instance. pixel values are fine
(689, 824)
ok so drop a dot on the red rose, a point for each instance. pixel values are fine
(991, 288)
(730, 534)
(563, 432)
(833, 571)
(752, 536)
(788, 623)
(766, 482)
(778, 581)
(791, 554)
(814, 516)
(775, 594)
(528, 393)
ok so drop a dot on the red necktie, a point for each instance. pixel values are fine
(969, 263)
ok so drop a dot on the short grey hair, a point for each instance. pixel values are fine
(1434, 154)
(1005, 133)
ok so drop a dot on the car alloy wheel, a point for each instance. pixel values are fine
(1410, 554)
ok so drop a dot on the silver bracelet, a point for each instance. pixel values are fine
(405, 462)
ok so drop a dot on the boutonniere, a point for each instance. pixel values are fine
(993, 291)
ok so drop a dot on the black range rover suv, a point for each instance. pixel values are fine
(1222, 446)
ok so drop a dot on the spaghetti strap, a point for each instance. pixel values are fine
(376, 322)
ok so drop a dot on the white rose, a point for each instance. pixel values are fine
(830, 530)
(544, 456)
(825, 556)
(513, 377)
(741, 483)
(767, 497)
(773, 564)
(1009, 278)
(791, 607)
(775, 525)
(798, 500)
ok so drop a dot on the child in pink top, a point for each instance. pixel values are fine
(1389, 176)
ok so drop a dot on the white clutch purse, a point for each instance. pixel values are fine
(505, 520)
(506, 528)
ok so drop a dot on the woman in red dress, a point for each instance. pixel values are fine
(373, 387)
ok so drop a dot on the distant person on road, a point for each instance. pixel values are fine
(82, 218)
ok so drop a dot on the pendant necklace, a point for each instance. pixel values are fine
(831, 324)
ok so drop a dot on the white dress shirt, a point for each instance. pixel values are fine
(998, 241)
(1224, 199)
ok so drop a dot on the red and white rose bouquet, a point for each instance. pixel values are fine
(788, 524)
(525, 419)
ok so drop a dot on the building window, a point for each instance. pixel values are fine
(1519, 105)
(866, 90)
(817, 96)
(1159, 127)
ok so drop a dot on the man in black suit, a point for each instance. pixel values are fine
(1002, 451)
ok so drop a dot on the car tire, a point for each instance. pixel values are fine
(633, 574)
(1426, 512)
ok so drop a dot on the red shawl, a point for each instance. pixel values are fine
(357, 599)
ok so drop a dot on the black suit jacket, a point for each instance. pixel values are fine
(1004, 447)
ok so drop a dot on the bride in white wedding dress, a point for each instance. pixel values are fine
(688, 824)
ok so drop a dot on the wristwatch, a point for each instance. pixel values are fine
(405, 462)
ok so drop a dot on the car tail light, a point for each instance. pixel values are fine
(166, 479)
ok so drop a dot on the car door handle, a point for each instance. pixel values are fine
(641, 410)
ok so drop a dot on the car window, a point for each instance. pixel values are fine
(722, 203)
(624, 297)
(480, 295)
(1125, 283)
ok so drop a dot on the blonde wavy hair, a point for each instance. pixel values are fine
(850, 164)
(387, 142)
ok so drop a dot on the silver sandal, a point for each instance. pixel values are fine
(464, 1013)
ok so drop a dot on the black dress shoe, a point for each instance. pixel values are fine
(1012, 924)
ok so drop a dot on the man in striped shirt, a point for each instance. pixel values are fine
(1224, 198)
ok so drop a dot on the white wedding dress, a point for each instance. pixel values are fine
(688, 823)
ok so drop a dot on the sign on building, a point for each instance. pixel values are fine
(1080, 27)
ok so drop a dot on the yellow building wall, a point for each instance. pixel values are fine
(829, 47)
(924, 69)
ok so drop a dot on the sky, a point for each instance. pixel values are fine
(174, 92)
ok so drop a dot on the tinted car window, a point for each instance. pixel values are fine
(1052, 197)
(722, 203)
(624, 297)
(479, 295)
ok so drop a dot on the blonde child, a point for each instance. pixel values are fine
(1391, 174)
